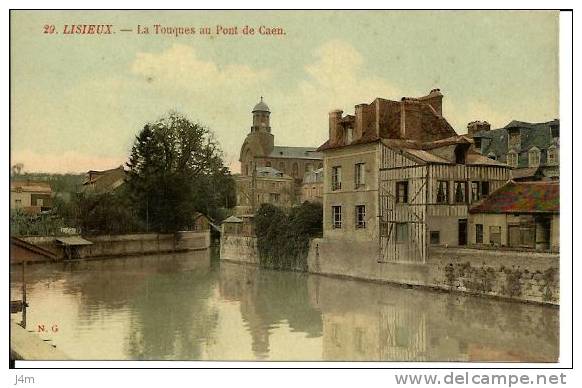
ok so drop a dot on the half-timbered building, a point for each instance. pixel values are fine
(398, 176)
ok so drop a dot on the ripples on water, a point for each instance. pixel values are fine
(189, 307)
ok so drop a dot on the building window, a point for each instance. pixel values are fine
(360, 217)
(512, 158)
(336, 212)
(492, 155)
(402, 192)
(295, 170)
(475, 191)
(552, 155)
(336, 178)
(484, 189)
(268, 164)
(435, 237)
(495, 235)
(460, 192)
(479, 233)
(460, 154)
(308, 167)
(18, 203)
(477, 142)
(442, 192)
(282, 167)
(359, 175)
(274, 197)
(534, 157)
(401, 232)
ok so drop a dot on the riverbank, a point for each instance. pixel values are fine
(25, 345)
(531, 277)
(104, 246)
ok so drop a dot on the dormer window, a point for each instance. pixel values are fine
(514, 140)
(460, 151)
(477, 143)
(534, 157)
(512, 158)
(553, 155)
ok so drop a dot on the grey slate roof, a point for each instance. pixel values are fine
(532, 134)
(296, 153)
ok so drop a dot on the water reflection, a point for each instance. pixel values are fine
(268, 299)
(189, 307)
(364, 321)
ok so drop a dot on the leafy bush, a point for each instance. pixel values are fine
(283, 238)
(45, 224)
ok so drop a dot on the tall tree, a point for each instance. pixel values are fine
(172, 163)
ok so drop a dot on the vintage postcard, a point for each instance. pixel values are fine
(285, 186)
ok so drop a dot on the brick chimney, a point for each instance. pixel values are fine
(359, 120)
(434, 99)
(335, 117)
(475, 126)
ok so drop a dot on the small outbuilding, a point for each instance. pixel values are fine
(73, 247)
(518, 215)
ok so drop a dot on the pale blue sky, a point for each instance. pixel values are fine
(78, 101)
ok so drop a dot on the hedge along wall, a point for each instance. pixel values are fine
(283, 236)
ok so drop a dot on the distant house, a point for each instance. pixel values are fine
(264, 185)
(531, 149)
(107, 181)
(312, 187)
(30, 197)
(518, 215)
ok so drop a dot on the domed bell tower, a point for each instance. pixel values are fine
(261, 118)
(261, 129)
(260, 141)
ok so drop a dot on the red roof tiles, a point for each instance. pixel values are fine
(522, 197)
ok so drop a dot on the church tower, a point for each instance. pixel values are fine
(261, 118)
(259, 142)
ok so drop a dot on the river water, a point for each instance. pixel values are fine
(189, 306)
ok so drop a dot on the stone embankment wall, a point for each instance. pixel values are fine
(130, 244)
(239, 249)
(525, 276)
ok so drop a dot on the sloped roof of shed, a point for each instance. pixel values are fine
(522, 197)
